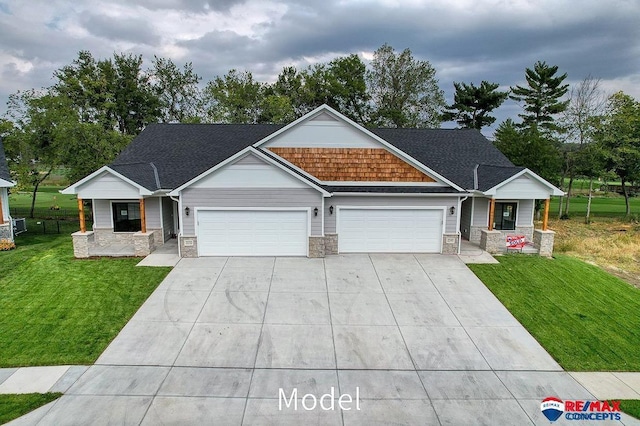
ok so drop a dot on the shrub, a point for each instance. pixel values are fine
(6, 245)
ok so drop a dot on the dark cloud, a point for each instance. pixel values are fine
(135, 30)
(470, 42)
(197, 6)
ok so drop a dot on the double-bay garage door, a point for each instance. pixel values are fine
(392, 230)
(252, 232)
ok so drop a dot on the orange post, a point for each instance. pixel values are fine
(492, 212)
(143, 217)
(83, 226)
(1, 213)
(545, 218)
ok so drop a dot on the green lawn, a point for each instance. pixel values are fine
(631, 407)
(584, 317)
(14, 406)
(55, 309)
(600, 206)
(47, 197)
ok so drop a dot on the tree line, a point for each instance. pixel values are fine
(96, 106)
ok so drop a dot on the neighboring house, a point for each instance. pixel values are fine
(320, 185)
(6, 228)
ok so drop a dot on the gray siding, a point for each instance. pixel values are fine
(102, 213)
(465, 218)
(525, 212)
(480, 211)
(250, 197)
(152, 211)
(250, 159)
(167, 217)
(337, 201)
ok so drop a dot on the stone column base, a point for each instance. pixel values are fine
(543, 241)
(188, 246)
(316, 246)
(330, 244)
(82, 241)
(143, 243)
(450, 243)
(492, 241)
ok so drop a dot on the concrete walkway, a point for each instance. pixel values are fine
(165, 255)
(59, 378)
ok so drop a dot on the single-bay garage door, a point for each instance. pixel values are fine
(390, 230)
(252, 232)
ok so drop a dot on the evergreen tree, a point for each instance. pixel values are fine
(472, 105)
(541, 96)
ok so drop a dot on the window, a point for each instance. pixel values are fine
(126, 217)
(505, 216)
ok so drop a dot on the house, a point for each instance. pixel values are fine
(6, 228)
(321, 185)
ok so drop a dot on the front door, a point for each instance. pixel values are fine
(505, 216)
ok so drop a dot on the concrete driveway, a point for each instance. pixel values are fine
(418, 338)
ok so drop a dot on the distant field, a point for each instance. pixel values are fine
(600, 206)
(48, 196)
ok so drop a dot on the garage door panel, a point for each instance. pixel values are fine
(390, 230)
(252, 233)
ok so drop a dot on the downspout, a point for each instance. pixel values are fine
(460, 200)
(180, 233)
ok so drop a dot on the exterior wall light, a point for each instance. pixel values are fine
(452, 210)
(330, 209)
(315, 211)
(187, 210)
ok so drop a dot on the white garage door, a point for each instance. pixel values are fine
(252, 233)
(389, 230)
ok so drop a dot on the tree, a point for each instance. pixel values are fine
(177, 91)
(586, 104)
(541, 96)
(528, 147)
(115, 93)
(345, 87)
(404, 90)
(472, 105)
(618, 136)
(34, 143)
(234, 98)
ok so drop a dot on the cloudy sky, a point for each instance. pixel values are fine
(465, 40)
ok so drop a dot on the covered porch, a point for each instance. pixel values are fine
(501, 218)
(129, 220)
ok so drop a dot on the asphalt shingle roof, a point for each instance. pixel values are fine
(452, 153)
(181, 152)
(4, 168)
(165, 156)
(490, 176)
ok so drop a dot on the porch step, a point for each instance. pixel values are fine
(112, 250)
(524, 250)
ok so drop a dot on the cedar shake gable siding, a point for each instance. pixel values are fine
(352, 164)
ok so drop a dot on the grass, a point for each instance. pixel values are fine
(611, 207)
(56, 309)
(611, 244)
(631, 407)
(584, 317)
(14, 406)
(47, 197)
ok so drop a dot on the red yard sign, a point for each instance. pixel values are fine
(516, 241)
